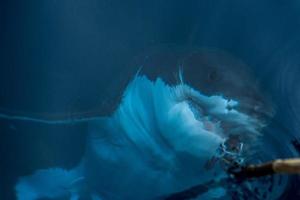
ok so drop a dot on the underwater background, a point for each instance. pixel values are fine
(65, 67)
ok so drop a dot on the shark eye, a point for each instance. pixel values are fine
(213, 76)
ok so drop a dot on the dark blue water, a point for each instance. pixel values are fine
(70, 60)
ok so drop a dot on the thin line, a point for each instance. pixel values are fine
(47, 121)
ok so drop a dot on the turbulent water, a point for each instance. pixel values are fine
(165, 136)
(162, 139)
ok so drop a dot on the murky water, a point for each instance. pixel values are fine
(72, 128)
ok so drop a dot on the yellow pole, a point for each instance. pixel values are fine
(280, 166)
(288, 166)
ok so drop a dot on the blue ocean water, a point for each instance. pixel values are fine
(133, 99)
